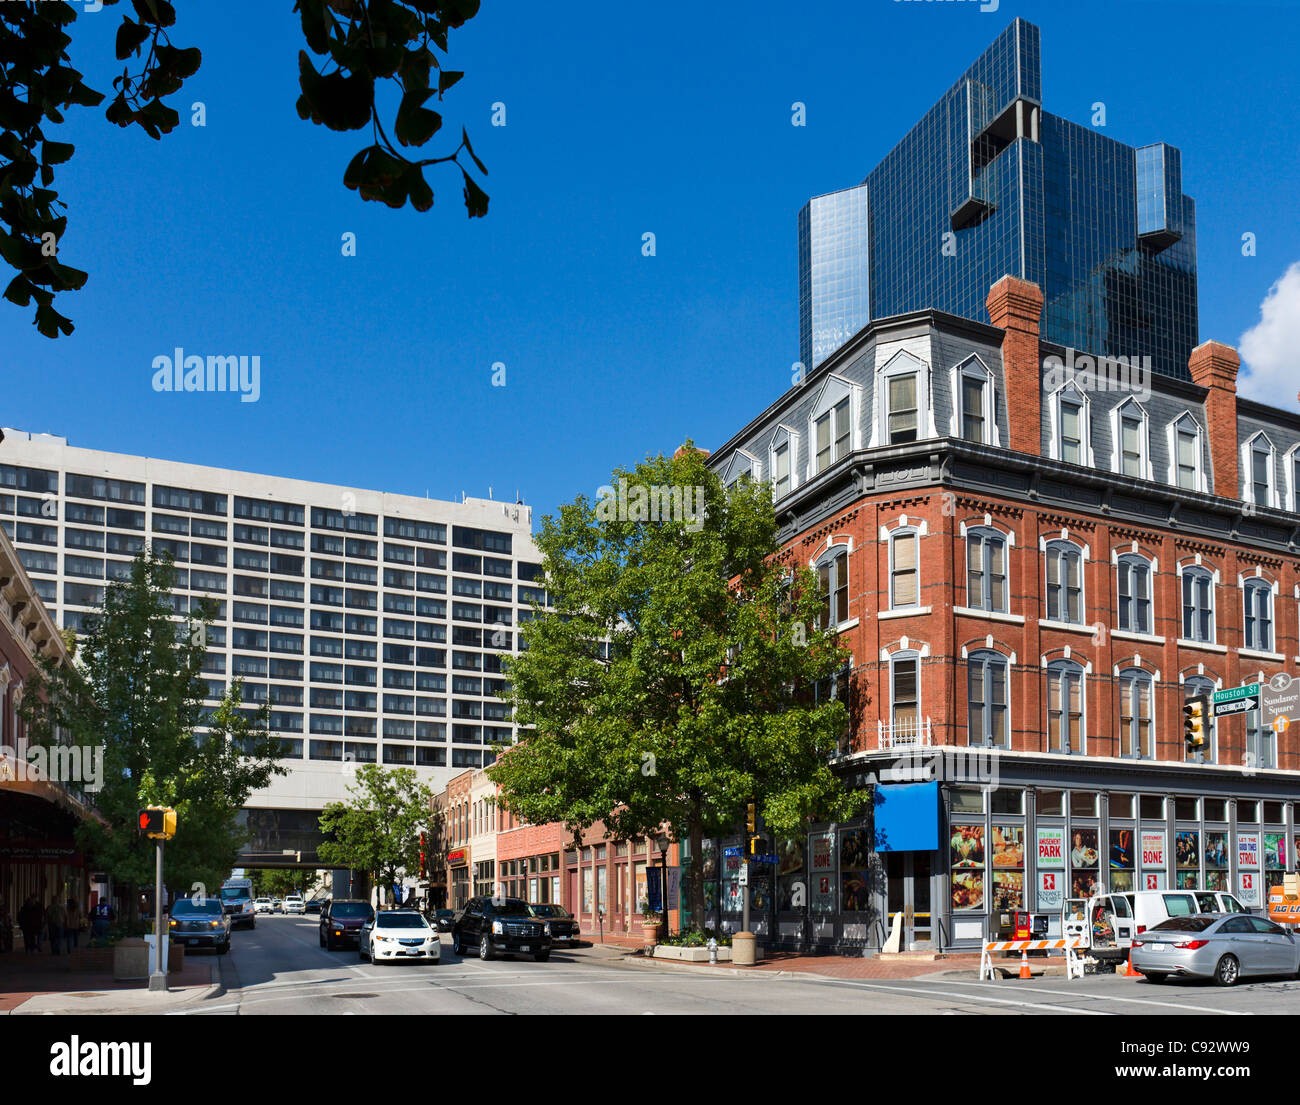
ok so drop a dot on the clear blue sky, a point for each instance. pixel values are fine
(621, 119)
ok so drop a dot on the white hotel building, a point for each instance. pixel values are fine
(373, 624)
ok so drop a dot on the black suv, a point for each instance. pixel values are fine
(559, 922)
(495, 925)
(341, 921)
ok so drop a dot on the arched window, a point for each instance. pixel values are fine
(904, 568)
(1132, 441)
(1198, 605)
(1194, 687)
(1136, 724)
(1258, 596)
(1185, 455)
(1065, 717)
(1261, 483)
(1064, 582)
(989, 716)
(986, 570)
(1135, 594)
(833, 586)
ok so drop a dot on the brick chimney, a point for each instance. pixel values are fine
(1015, 307)
(1214, 366)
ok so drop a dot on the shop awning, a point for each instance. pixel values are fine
(907, 817)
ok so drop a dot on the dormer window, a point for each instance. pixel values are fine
(1132, 441)
(832, 424)
(1187, 454)
(904, 409)
(974, 402)
(1260, 455)
(781, 458)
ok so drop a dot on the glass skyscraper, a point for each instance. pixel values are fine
(988, 184)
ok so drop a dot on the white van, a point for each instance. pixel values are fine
(1107, 923)
(1150, 907)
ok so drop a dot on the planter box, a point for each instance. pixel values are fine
(690, 955)
(131, 959)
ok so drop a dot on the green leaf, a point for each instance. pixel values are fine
(476, 200)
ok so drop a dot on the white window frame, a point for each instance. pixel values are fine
(1131, 406)
(1051, 547)
(1127, 680)
(1248, 452)
(790, 438)
(985, 534)
(914, 656)
(1077, 394)
(1075, 668)
(915, 532)
(1251, 584)
(742, 463)
(1198, 478)
(1199, 570)
(1292, 462)
(974, 368)
(834, 391)
(1128, 559)
(903, 363)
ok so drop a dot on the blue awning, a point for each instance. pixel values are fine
(907, 817)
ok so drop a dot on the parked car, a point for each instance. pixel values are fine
(500, 925)
(1222, 946)
(397, 934)
(561, 926)
(200, 924)
(316, 905)
(294, 904)
(341, 921)
(277, 905)
(261, 905)
(1108, 923)
(443, 919)
(1151, 907)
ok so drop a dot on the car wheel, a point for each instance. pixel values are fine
(455, 942)
(1157, 976)
(542, 957)
(1228, 971)
(361, 950)
(484, 947)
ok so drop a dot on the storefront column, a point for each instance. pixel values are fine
(1233, 873)
(1103, 841)
(1031, 849)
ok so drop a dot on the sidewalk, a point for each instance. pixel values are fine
(37, 988)
(778, 964)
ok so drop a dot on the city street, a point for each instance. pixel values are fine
(280, 968)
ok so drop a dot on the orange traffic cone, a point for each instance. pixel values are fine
(1128, 971)
(1024, 965)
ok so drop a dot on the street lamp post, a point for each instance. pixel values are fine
(663, 880)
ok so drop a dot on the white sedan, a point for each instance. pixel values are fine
(397, 935)
(295, 905)
(261, 905)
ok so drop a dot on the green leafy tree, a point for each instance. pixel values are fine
(135, 689)
(277, 882)
(360, 43)
(704, 699)
(378, 829)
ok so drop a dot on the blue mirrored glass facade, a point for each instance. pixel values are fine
(987, 184)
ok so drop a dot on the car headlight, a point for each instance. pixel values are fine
(214, 924)
(498, 928)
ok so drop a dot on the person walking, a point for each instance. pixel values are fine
(72, 924)
(55, 917)
(31, 919)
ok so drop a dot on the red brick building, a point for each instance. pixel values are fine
(1035, 560)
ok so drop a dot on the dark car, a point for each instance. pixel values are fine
(444, 919)
(200, 923)
(316, 905)
(560, 923)
(496, 925)
(341, 921)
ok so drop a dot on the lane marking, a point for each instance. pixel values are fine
(897, 991)
(1128, 1001)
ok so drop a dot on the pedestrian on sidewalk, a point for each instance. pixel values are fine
(55, 917)
(31, 919)
(73, 923)
(104, 916)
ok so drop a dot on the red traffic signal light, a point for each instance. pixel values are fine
(158, 822)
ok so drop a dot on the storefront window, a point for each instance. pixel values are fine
(822, 898)
(966, 848)
(855, 878)
(602, 889)
(1121, 855)
(1083, 803)
(789, 872)
(1121, 806)
(1216, 861)
(1153, 807)
(1215, 809)
(1274, 812)
(1248, 872)
(1085, 860)
(1185, 809)
(967, 801)
(1153, 857)
(1051, 803)
(1248, 813)
(1275, 851)
(1187, 859)
(1008, 867)
(586, 890)
(1006, 800)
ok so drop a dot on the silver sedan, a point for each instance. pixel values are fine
(1222, 946)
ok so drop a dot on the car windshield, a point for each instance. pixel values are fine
(350, 909)
(400, 921)
(550, 911)
(203, 905)
(230, 893)
(1197, 923)
(511, 907)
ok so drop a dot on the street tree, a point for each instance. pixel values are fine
(377, 830)
(353, 46)
(682, 673)
(135, 689)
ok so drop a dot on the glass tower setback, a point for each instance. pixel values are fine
(834, 280)
(988, 184)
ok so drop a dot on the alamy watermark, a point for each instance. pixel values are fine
(1130, 375)
(194, 372)
(975, 766)
(83, 764)
(654, 503)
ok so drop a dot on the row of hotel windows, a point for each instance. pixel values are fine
(989, 712)
(905, 417)
(987, 587)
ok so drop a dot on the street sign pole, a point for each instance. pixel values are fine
(158, 980)
(744, 882)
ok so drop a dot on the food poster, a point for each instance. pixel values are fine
(967, 888)
(1187, 850)
(1008, 847)
(1083, 849)
(855, 874)
(1008, 890)
(966, 851)
(1121, 881)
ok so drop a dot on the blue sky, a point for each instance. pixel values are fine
(621, 119)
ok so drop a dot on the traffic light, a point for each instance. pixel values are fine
(158, 822)
(1196, 720)
(750, 818)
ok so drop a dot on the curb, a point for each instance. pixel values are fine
(634, 960)
(194, 996)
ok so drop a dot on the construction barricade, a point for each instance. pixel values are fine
(1069, 947)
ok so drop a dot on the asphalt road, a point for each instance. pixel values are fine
(280, 968)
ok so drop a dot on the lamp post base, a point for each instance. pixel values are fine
(158, 982)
